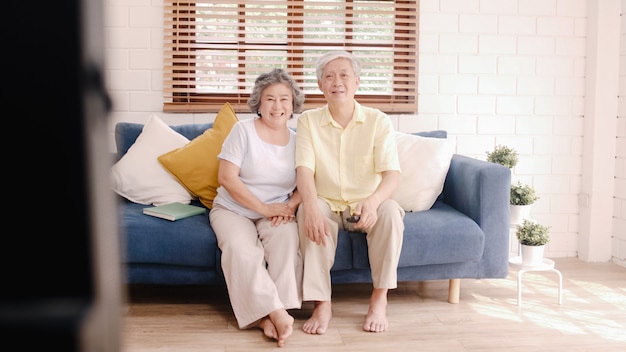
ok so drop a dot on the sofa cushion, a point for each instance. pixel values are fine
(439, 235)
(150, 240)
(195, 165)
(424, 162)
(138, 176)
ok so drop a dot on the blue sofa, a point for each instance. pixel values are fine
(464, 235)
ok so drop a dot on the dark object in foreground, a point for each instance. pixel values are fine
(353, 218)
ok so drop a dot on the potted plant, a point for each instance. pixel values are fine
(503, 155)
(522, 196)
(532, 237)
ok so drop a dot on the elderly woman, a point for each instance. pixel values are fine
(253, 214)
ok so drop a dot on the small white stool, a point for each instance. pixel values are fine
(546, 265)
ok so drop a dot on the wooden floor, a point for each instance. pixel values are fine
(592, 316)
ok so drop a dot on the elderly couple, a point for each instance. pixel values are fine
(283, 197)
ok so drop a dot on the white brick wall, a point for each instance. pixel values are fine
(618, 245)
(491, 72)
(512, 72)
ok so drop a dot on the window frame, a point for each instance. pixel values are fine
(180, 67)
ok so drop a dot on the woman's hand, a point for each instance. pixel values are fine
(277, 220)
(279, 213)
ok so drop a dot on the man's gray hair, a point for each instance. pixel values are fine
(323, 60)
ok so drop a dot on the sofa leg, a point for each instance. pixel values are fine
(454, 290)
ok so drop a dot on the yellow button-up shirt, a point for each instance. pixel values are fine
(347, 163)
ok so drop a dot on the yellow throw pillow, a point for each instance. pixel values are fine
(195, 164)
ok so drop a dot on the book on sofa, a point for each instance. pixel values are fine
(174, 211)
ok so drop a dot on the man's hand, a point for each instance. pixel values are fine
(315, 226)
(367, 212)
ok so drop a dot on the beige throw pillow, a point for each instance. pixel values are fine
(139, 177)
(424, 162)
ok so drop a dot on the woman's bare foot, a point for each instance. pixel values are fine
(268, 328)
(318, 322)
(283, 324)
(376, 319)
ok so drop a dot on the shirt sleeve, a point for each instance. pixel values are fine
(234, 146)
(305, 155)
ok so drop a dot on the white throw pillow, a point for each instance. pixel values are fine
(424, 162)
(139, 177)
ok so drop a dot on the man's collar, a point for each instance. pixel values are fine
(328, 119)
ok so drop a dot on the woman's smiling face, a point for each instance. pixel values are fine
(277, 102)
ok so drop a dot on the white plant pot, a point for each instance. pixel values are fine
(519, 213)
(532, 255)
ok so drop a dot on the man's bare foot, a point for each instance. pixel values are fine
(318, 322)
(376, 319)
(283, 324)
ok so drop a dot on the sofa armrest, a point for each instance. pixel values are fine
(481, 190)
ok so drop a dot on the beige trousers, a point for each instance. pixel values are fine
(261, 264)
(384, 243)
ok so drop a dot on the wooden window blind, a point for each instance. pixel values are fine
(214, 50)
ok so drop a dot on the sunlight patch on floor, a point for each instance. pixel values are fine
(573, 317)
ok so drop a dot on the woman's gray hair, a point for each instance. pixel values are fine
(323, 60)
(277, 75)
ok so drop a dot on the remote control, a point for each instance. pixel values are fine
(353, 218)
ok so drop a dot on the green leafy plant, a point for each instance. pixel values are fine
(503, 155)
(522, 194)
(531, 233)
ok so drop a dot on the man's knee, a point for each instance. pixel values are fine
(391, 209)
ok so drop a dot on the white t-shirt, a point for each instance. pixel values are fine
(267, 170)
